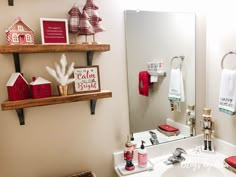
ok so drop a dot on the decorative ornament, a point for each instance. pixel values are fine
(40, 88)
(74, 19)
(191, 119)
(85, 27)
(129, 155)
(94, 19)
(19, 33)
(208, 129)
(61, 75)
(86, 22)
(17, 87)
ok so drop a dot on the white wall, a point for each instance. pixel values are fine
(59, 140)
(221, 39)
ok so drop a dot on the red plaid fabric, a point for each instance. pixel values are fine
(90, 7)
(74, 19)
(85, 28)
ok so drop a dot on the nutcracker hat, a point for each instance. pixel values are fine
(206, 112)
(191, 107)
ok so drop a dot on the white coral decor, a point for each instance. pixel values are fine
(60, 74)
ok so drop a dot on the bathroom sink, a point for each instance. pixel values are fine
(195, 165)
(194, 170)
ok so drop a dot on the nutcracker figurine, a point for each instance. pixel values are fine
(128, 155)
(190, 119)
(208, 126)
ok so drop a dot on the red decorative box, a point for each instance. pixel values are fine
(17, 87)
(40, 88)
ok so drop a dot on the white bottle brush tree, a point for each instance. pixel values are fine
(60, 74)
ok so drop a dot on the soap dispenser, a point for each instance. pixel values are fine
(142, 155)
(133, 141)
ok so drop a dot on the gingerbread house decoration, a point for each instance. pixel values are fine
(19, 33)
(17, 87)
(40, 88)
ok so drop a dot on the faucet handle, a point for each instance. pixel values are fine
(153, 134)
(179, 151)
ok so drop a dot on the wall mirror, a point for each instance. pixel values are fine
(159, 37)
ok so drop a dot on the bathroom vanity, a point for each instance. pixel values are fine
(197, 163)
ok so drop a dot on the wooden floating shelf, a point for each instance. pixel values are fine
(12, 105)
(40, 48)
(16, 50)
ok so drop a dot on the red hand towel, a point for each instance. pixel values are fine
(144, 82)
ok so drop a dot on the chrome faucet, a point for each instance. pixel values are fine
(153, 138)
(176, 157)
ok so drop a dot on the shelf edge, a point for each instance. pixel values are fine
(12, 105)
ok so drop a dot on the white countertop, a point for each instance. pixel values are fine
(159, 153)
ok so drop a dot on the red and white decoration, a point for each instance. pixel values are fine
(19, 33)
(40, 88)
(94, 19)
(74, 19)
(86, 22)
(17, 87)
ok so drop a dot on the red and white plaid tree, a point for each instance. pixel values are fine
(74, 19)
(85, 27)
(86, 22)
(91, 9)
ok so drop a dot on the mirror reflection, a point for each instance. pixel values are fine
(160, 50)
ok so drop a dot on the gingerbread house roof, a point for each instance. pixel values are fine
(40, 80)
(13, 79)
(17, 21)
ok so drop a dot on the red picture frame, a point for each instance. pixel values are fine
(54, 31)
(87, 79)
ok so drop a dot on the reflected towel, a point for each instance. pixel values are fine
(176, 89)
(227, 97)
(144, 82)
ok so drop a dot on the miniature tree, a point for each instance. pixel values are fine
(74, 20)
(61, 75)
(85, 27)
(91, 9)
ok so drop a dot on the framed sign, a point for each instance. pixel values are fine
(54, 31)
(87, 79)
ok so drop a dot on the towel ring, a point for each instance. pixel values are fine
(222, 60)
(181, 58)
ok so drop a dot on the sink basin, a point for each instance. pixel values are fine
(195, 165)
(194, 170)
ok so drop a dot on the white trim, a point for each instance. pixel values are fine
(14, 37)
(39, 81)
(28, 38)
(13, 78)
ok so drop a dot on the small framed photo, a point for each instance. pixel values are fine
(54, 31)
(87, 79)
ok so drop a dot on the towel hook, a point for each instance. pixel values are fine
(181, 58)
(222, 60)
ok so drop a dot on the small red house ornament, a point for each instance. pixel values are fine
(17, 87)
(19, 33)
(40, 88)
